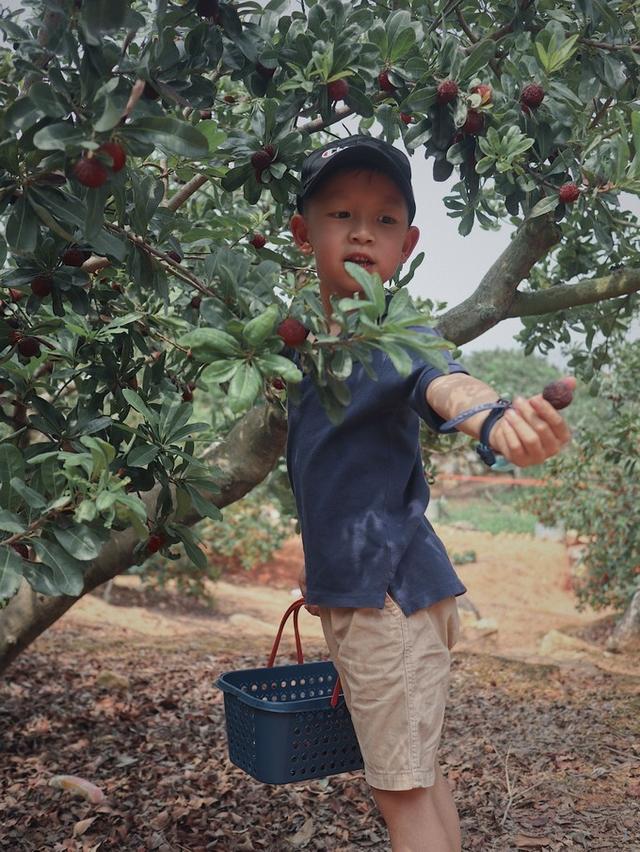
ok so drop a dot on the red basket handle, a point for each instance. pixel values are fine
(295, 608)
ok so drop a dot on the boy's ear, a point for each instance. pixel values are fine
(411, 238)
(300, 232)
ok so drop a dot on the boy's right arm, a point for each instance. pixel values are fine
(302, 582)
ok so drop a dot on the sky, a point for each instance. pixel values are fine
(453, 265)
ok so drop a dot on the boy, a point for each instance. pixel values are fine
(376, 573)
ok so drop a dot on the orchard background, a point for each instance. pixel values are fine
(148, 163)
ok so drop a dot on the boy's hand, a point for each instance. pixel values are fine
(302, 582)
(531, 431)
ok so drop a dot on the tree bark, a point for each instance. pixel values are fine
(248, 454)
(626, 634)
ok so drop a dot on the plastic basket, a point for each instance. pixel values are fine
(289, 723)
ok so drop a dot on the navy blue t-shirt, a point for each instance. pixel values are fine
(361, 492)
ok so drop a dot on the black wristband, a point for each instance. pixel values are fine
(483, 449)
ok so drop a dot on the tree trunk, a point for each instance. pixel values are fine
(248, 454)
(626, 634)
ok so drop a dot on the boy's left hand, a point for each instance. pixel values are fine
(531, 431)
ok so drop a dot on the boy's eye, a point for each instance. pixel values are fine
(388, 220)
(341, 214)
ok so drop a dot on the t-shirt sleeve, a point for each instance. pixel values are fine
(420, 379)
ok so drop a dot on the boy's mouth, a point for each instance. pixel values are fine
(360, 259)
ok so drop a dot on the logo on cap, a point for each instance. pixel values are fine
(331, 151)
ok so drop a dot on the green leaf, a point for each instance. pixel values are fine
(172, 135)
(259, 328)
(371, 285)
(31, 497)
(60, 573)
(142, 455)
(244, 387)
(400, 359)
(219, 371)
(46, 99)
(140, 406)
(82, 542)
(57, 137)
(111, 115)
(10, 572)
(212, 133)
(545, 205)
(203, 507)
(482, 53)
(102, 16)
(207, 342)
(278, 365)
(22, 228)
(10, 522)
(195, 553)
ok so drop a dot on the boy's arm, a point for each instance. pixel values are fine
(527, 434)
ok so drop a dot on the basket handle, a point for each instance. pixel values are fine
(295, 608)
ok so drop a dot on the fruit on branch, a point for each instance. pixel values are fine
(474, 123)
(75, 256)
(485, 91)
(531, 96)
(384, 82)
(338, 89)
(116, 152)
(568, 193)
(264, 71)
(258, 241)
(41, 286)
(447, 91)
(278, 384)
(29, 347)
(559, 394)
(16, 295)
(155, 542)
(292, 332)
(262, 159)
(90, 172)
(195, 303)
(406, 117)
(187, 395)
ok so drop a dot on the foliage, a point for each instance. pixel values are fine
(594, 488)
(99, 363)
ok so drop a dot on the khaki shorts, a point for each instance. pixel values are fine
(395, 676)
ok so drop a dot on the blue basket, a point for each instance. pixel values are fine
(288, 723)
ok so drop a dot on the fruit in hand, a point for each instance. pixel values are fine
(338, 90)
(447, 91)
(559, 394)
(116, 152)
(569, 193)
(90, 172)
(292, 332)
(41, 286)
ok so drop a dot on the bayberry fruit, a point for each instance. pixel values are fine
(29, 347)
(229, 99)
(196, 302)
(474, 123)
(292, 332)
(16, 295)
(187, 395)
(485, 91)
(262, 159)
(265, 72)
(569, 193)
(116, 152)
(558, 394)
(155, 542)
(385, 83)
(258, 241)
(90, 172)
(406, 118)
(338, 89)
(174, 256)
(75, 256)
(20, 548)
(278, 384)
(532, 96)
(447, 91)
(41, 286)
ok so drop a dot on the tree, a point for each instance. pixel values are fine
(148, 161)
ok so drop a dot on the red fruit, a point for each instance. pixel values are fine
(292, 332)
(116, 152)
(485, 91)
(195, 302)
(41, 286)
(338, 89)
(174, 256)
(75, 256)
(385, 83)
(559, 394)
(258, 241)
(474, 123)
(229, 99)
(278, 384)
(569, 193)
(20, 548)
(532, 95)
(265, 72)
(262, 159)
(406, 117)
(187, 395)
(155, 542)
(447, 91)
(89, 171)
(29, 347)
(16, 295)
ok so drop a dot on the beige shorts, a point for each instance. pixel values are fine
(395, 676)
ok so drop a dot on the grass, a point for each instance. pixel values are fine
(488, 512)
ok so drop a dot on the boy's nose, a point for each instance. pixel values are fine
(361, 233)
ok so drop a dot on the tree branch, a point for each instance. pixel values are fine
(248, 454)
(492, 300)
(622, 282)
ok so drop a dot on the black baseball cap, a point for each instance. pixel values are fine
(358, 151)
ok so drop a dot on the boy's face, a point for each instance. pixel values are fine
(356, 215)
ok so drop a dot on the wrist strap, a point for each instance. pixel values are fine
(452, 425)
(496, 411)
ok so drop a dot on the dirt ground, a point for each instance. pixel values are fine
(541, 744)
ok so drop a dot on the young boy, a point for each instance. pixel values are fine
(375, 571)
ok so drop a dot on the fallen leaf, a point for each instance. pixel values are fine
(523, 841)
(80, 786)
(80, 827)
(303, 835)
